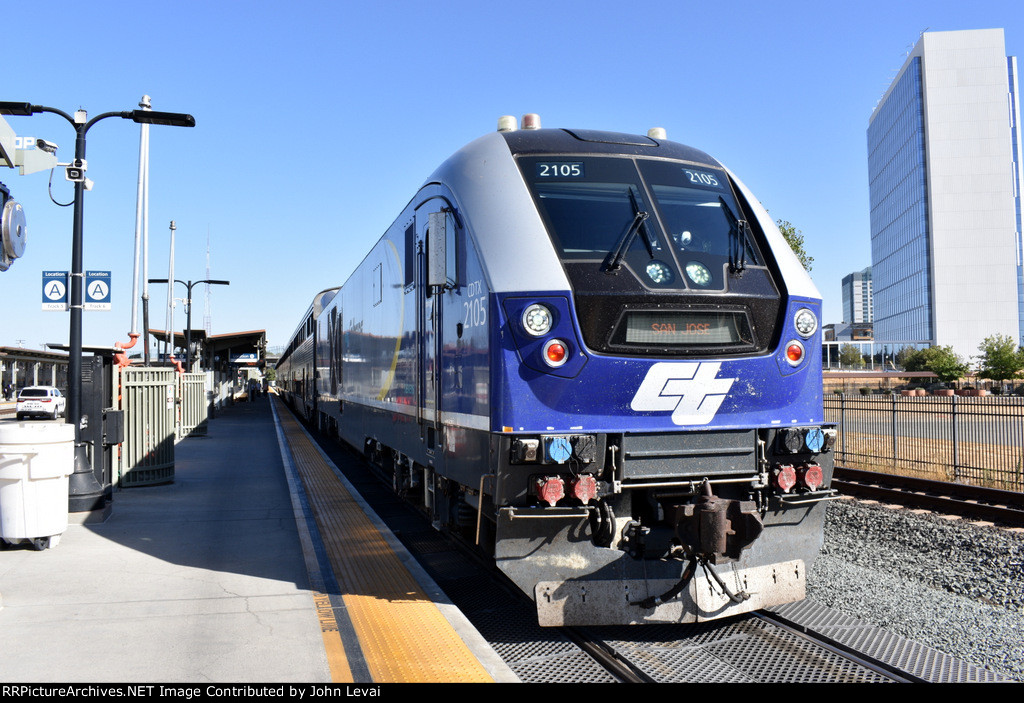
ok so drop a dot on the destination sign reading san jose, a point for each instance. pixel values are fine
(677, 327)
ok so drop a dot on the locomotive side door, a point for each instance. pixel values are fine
(436, 222)
(428, 325)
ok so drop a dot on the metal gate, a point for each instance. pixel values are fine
(193, 410)
(148, 398)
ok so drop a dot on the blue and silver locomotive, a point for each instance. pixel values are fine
(594, 355)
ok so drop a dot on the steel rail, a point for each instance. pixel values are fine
(868, 662)
(1006, 507)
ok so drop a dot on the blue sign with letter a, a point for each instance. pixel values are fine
(55, 290)
(97, 290)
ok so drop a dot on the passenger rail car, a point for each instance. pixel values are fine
(595, 355)
(297, 368)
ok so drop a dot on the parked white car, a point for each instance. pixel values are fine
(40, 400)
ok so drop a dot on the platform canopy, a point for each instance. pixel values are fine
(223, 351)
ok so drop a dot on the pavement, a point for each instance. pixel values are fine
(199, 580)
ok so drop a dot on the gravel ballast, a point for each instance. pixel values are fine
(949, 584)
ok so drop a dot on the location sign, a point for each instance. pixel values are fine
(97, 290)
(55, 290)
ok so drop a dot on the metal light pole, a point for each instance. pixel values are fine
(169, 319)
(142, 236)
(83, 482)
(188, 311)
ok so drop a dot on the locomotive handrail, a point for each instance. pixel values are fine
(516, 513)
(693, 484)
(816, 497)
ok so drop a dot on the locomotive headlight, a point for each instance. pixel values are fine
(537, 320)
(698, 273)
(659, 272)
(806, 323)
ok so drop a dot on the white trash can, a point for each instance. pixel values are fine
(36, 459)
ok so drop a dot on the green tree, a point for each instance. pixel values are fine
(903, 355)
(849, 355)
(795, 238)
(916, 360)
(946, 364)
(1001, 359)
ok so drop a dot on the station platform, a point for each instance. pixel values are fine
(257, 564)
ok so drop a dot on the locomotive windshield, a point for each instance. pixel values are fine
(682, 231)
(660, 254)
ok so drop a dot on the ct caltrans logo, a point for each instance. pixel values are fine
(691, 391)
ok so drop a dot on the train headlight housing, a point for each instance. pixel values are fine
(806, 322)
(537, 320)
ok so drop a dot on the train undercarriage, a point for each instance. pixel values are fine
(593, 543)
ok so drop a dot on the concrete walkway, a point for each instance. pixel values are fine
(200, 580)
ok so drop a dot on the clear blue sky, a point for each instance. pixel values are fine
(317, 121)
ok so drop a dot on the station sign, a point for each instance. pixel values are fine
(97, 290)
(57, 294)
(55, 290)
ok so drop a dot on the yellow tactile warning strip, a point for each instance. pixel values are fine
(381, 624)
(337, 661)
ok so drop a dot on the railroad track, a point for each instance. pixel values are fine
(1004, 507)
(870, 668)
(761, 647)
(743, 649)
(752, 648)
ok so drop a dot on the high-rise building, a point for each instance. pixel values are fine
(944, 149)
(857, 305)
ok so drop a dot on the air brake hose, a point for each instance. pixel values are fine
(655, 601)
(735, 598)
(688, 573)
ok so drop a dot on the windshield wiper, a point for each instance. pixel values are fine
(738, 230)
(639, 217)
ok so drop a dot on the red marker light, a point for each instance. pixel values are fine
(556, 353)
(794, 353)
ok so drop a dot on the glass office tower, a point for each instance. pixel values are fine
(857, 303)
(944, 173)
